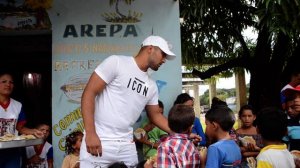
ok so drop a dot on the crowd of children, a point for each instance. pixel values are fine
(264, 139)
(267, 137)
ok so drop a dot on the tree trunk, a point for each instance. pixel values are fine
(258, 70)
(266, 70)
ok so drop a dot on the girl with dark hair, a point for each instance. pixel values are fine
(247, 137)
(73, 143)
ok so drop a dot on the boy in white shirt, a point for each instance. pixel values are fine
(272, 125)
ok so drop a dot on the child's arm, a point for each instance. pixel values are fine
(148, 127)
(203, 153)
(50, 163)
(199, 131)
(250, 150)
(50, 157)
(249, 154)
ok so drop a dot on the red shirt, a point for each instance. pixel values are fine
(178, 151)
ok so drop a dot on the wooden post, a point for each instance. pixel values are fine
(241, 91)
(196, 100)
(212, 91)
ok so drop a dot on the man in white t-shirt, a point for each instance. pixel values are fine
(117, 92)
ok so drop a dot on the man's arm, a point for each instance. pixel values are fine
(94, 86)
(157, 118)
(161, 121)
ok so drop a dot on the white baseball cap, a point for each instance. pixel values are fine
(161, 43)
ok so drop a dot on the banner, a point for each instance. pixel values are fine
(87, 32)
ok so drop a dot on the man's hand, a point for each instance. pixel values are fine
(93, 144)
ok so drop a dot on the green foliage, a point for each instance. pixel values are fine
(113, 17)
(222, 94)
(280, 16)
(212, 36)
(210, 27)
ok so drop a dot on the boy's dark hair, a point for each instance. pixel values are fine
(246, 107)
(183, 97)
(217, 102)
(272, 123)
(160, 104)
(71, 140)
(181, 118)
(222, 115)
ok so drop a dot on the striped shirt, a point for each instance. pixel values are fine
(177, 151)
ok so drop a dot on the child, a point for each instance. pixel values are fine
(73, 143)
(272, 125)
(293, 137)
(40, 155)
(177, 150)
(154, 134)
(224, 152)
(186, 99)
(246, 133)
(293, 112)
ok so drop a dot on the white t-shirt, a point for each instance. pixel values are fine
(276, 156)
(126, 94)
(31, 152)
(9, 117)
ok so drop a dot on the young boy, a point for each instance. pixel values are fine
(177, 150)
(40, 155)
(224, 152)
(293, 137)
(272, 125)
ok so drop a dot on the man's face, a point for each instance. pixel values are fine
(157, 58)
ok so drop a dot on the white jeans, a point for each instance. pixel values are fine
(112, 151)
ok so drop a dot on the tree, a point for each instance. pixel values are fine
(111, 2)
(118, 17)
(212, 33)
